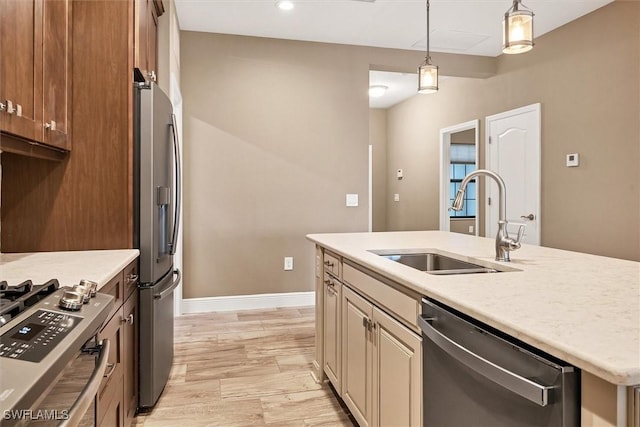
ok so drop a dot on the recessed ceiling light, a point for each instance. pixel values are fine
(285, 4)
(376, 91)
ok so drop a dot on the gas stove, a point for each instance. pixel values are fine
(15, 299)
(43, 328)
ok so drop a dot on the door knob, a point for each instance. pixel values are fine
(530, 217)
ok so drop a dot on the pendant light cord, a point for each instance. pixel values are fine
(428, 58)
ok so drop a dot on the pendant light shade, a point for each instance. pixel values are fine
(427, 72)
(517, 29)
(427, 78)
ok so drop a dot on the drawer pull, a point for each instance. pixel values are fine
(132, 278)
(329, 264)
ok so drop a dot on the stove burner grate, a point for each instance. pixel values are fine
(15, 299)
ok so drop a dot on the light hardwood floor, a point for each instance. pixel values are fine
(245, 368)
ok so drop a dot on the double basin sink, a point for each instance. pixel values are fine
(438, 263)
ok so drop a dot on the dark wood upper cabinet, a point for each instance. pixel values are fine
(85, 200)
(146, 36)
(35, 89)
(56, 74)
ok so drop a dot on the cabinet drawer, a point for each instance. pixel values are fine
(398, 303)
(130, 277)
(115, 288)
(332, 264)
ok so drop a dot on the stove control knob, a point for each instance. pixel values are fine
(85, 291)
(93, 286)
(71, 300)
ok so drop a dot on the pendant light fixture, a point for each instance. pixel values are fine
(517, 29)
(427, 72)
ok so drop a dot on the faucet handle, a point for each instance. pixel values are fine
(518, 241)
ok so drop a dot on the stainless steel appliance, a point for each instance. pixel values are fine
(477, 376)
(50, 364)
(157, 206)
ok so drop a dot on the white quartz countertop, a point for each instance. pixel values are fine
(68, 267)
(584, 309)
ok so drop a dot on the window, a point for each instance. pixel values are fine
(461, 165)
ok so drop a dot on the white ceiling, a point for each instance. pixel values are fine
(470, 27)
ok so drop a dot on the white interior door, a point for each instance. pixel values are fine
(513, 151)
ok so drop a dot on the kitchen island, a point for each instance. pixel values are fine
(583, 309)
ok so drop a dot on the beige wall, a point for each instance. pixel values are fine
(462, 225)
(378, 141)
(586, 75)
(276, 133)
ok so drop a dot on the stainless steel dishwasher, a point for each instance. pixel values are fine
(477, 376)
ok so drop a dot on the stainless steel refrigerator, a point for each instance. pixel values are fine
(157, 207)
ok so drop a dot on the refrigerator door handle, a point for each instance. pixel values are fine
(178, 205)
(170, 289)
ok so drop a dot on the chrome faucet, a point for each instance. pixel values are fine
(504, 243)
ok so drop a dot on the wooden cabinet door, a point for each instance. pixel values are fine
(397, 376)
(56, 72)
(152, 40)
(332, 343)
(357, 355)
(21, 68)
(146, 37)
(110, 393)
(130, 358)
(142, 11)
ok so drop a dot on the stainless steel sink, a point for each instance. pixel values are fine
(436, 263)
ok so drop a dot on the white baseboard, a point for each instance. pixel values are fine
(247, 302)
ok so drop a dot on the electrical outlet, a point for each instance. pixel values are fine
(288, 263)
(471, 229)
(396, 197)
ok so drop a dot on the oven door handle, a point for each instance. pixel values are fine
(88, 394)
(530, 390)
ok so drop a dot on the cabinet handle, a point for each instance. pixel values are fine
(331, 288)
(152, 75)
(50, 125)
(8, 105)
(128, 319)
(132, 278)
(367, 323)
(328, 264)
(3, 106)
(111, 367)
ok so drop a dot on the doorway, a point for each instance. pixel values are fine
(458, 157)
(513, 151)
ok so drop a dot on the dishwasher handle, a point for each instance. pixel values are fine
(530, 390)
(88, 394)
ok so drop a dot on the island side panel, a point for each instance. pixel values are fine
(318, 363)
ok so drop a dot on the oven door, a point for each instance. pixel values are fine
(70, 401)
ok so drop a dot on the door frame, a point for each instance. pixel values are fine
(537, 161)
(445, 160)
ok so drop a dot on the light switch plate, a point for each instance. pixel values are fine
(396, 197)
(573, 160)
(352, 200)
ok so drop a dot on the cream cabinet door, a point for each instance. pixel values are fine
(397, 376)
(357, 354)
(332, 333)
